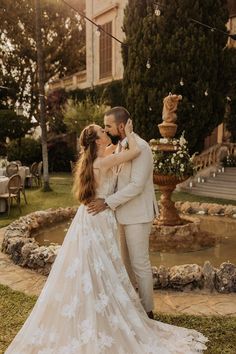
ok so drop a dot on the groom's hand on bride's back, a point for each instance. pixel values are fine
(96, 206)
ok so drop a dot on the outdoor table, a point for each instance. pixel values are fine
(3, 171)
(23, 172)
(3, 189)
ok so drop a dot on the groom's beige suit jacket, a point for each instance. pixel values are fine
(134, 200)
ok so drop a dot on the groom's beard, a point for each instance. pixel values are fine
(114, 138)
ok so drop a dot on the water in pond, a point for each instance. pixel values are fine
(224, 251)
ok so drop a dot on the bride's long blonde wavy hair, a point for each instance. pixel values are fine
(84, 181)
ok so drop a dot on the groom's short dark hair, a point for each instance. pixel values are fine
(120, 113)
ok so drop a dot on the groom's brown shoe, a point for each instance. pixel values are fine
(150, 315)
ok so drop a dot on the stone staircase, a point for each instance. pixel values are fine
(218, 185)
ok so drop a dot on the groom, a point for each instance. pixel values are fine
(134, 204)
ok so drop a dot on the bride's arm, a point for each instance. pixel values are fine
(126, 155)
(110, 150)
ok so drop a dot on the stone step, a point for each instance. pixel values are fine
(208, 186)
(224, 177)
(220, 186)
(220, 181)
(230, 169)
(215, 181)
(213, 194)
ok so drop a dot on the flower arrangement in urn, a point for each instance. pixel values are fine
(178, 163)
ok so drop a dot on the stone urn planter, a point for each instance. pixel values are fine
(169, 215)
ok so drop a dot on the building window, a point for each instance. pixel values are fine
(105, 53)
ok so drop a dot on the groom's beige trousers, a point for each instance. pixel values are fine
(134, 245)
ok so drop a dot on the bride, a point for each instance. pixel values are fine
(88, 305)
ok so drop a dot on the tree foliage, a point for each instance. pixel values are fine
(176, 48)
(79, 114)
(231, 119)
(63, 37)
(13, 126)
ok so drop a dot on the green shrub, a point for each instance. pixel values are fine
(27, 151)
(79, 114)
(59, 157)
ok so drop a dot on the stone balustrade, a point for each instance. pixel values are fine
(212, 157)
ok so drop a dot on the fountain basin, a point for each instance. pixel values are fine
(28, 242)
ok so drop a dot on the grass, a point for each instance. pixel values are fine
(16, 306)
(61, 196)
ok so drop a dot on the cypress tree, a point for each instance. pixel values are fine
(185, 58)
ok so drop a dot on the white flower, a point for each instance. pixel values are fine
(182, 141)
(114, 321)
(163, 141)
(86, 283)
(87, 330)
(98, 266)
(101, 303)
(104, 341)
(68, 310)
(73, 268)
(174, 142)
(37, 336)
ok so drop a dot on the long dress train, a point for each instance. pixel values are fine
(88, 305)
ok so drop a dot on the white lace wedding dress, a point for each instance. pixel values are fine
(88, 305)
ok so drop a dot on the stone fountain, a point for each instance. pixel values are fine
(167, 183)
(171, 232)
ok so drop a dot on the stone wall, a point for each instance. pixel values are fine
(19, 241)
(212, 209)
(192, 276)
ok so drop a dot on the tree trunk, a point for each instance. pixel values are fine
(42, 110)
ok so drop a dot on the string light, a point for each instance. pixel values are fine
(148, 65)
(98, 31)
(206, 93)
(94, 23)
(212, 29)
(157, 11)
(181, 82)
(150, 108)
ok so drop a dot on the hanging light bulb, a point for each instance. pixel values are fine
(193, 106)
(98, 31)
(228, 99)
(181, 82)
(206, 93)
(150, 108)
(148, 65)
(157, 11)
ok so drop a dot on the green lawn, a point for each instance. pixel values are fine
(61, 196)
(15, 307)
